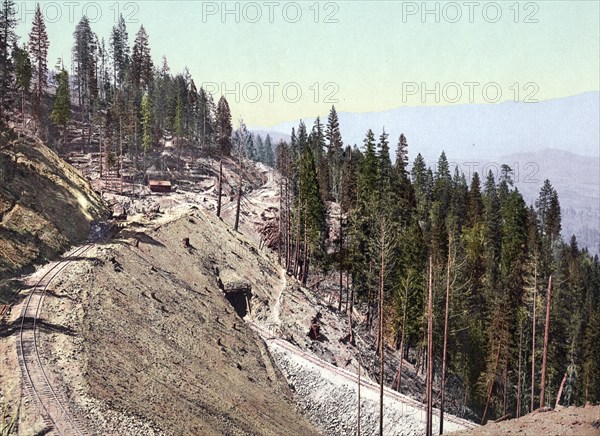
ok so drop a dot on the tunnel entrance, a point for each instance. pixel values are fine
(240, 300)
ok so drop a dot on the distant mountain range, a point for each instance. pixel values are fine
(555, 139)
(478, 130)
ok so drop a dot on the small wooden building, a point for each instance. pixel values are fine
(160, 185)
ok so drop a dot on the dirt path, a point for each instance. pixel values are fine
(276, 310)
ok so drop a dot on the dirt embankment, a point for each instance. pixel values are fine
(567, 421)
(154, 344)
(45, 206)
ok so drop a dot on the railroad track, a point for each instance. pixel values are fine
(49, 402)
(352, 377)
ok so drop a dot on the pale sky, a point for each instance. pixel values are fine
(367, 56)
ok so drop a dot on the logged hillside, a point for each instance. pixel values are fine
(45, 205)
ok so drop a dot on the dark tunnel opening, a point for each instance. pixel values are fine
(239, 300)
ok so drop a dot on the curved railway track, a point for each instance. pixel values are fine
(49, 402)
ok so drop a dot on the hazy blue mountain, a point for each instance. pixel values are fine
(481, 131)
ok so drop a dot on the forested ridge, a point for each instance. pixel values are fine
(515, 309)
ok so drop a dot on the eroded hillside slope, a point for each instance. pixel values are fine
(45, 205)
(154, 346)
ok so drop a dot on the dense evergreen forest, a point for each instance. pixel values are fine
(515, 310)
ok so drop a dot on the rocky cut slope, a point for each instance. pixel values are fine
(156, 341)
(45, 205)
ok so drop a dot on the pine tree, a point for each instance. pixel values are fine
(260, 148)
(548, 211)
(269, 157)
(243, 147)
(313, 221)
(474, 202)
(223, 128)
(38, 47)
(61, 113)
(335, 148)
(23, 72)
(206, 123)
(119, 48)
(422, 185)
(83, 52)
(8, 24)
(141, 60)
(387, 181)
(318, 139)
(402, 157)
(332, 133)
(146, 123)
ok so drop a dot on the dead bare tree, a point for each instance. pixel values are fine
(381, 346)
(519, 370)
(279, 229)
(533, 338)
(386, 249)
(358, 417)
(560, 390)
(121, 151)
(492, 379)
(341, 266)
(443, 387)
(238, 203)
(406, 285)
(505, 386)
(220, 188)
(546, 331)
(100, 147)
(429, 386)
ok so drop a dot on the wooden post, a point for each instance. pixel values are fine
(545, 355)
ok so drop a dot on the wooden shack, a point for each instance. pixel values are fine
(160, 185)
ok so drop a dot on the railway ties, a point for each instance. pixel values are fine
(49, 402)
